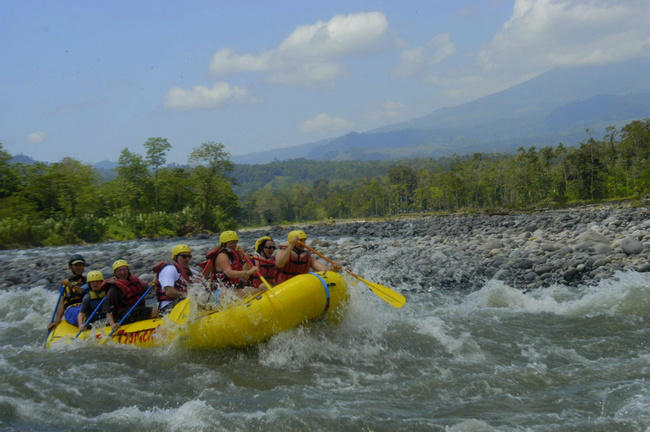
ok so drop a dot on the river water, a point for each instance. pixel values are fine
(494, 359)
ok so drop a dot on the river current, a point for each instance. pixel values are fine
(494, 359)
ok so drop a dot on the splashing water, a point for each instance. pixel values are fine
(496, 359)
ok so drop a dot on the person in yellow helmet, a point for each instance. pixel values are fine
(92, 299)
(173, 277)
(227, 263)
(122, 292)
(264, 259)
(293, 259)
(70, 300)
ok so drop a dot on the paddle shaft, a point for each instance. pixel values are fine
(134, 306)
(56, 308)
(391, 297)
(257, 272)
(91, 316)
(327, 259)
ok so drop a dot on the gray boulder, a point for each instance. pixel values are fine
(631, 246)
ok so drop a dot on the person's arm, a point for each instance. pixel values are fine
(58, 317)
(224, 263)
(283, 255)
(167, 279)
(81, 319)
(320, 267)
(111, 321)
(83, 312)
(109, 306)
(174, 293)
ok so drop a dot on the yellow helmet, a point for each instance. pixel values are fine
(300, 233)
(178, 249)
(94, 275)
(227, 236)
(260, 242)
(119, 263)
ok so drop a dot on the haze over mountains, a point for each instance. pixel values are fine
(557, 106)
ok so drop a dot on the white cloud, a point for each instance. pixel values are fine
(226, 62)
(37, 137)
(544, 34)
(220, 95)
(342, 36)
(311, 53)
(419, 60)
(324, 123)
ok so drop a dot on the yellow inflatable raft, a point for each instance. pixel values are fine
(243, 322)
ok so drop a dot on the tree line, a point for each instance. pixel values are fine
(614, 167)
(66, 202)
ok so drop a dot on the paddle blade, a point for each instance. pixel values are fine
(386, 294)
(181, 312)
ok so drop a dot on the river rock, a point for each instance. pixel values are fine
(459, 251)
(631, 246)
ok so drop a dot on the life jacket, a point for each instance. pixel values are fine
(267, 269)
(180, 284)
(96, 298)
(294, 266)
(73, 294)
(237, 261)
(132, 288)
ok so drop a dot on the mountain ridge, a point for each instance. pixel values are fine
(556, 106)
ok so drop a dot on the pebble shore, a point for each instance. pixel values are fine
(572, 247)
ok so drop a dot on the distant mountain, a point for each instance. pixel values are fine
(105, 165)
(21, 158)
(554, 107)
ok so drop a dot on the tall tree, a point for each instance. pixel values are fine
(403, 182)
(157, 149)
(635, 151)
(211, 167)
(8, 176)
(132, 181)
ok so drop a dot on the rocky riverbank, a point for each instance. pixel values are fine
(461, 251)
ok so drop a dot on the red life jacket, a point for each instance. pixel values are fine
(71, 295)
(180, 284)
(267, 269)
(237, 261)
(132, 288)
(294, 266)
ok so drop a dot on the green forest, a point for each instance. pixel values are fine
(69, 202)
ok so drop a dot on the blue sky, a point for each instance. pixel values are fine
(86, 79)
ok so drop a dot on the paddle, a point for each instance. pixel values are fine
(180, 312)
(133, 307)
(383, 292)
(56, 308)
(90, 317)
(268, 287)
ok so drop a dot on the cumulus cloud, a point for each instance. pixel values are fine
(221, 94)
(311, 53)
(324, 123)
(544, 34)
(226, 62)
(37, 137)
(417, 61)
(548, 33)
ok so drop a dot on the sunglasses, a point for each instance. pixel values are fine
(185, 256)
(269, 247)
